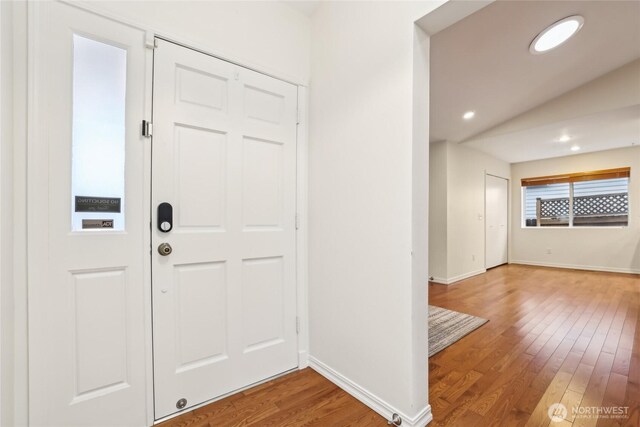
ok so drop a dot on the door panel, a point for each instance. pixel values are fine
(262, 175)
(262, 302)
(200, 156)
(497, 211)
(224, 153)
(87, 306)
(100, 303)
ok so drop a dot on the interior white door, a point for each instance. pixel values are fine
(224, 158)
(497, 214)
(87, 298)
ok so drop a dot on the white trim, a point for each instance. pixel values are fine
(578, 267)
(303, 359)
(36, 175)
(457, 278)
(147, 209)
(302, 239)
(21, 81)
(423, 418)
(6, 217)
(371, 400)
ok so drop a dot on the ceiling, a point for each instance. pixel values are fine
(482, 63)
(617, 128)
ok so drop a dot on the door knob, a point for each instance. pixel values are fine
(164, 249)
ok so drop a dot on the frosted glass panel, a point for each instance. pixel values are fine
(99, 88)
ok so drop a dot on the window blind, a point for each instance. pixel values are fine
(577, 177)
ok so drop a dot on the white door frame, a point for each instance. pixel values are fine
(508, 216)
(33, 176)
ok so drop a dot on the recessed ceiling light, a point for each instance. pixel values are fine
(564, 138)
(468, 115)
(556, 34)
(575, 148)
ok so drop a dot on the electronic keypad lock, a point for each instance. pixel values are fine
(165, 217)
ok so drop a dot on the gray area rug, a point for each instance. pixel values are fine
(447, 327)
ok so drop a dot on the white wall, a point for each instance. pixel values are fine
(6, 194)
(607, 249)
(363, 324)
(466, 226)
(438, 196)
(267, 36)
(465, 208)
(420, 225)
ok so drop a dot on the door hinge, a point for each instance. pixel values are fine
(150, 41)
(297, 325)
(147, 129)
(297, 221)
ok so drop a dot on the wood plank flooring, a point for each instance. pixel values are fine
(303, 398)
(553, 336)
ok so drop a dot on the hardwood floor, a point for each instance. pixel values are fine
(303, 398)
(553, 336)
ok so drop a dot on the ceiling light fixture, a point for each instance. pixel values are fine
(556, 34)
(468, 115)
(575, 148)
(564, 138)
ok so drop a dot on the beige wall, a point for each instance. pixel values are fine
(607, 249)
(438, 210)
(457, 175)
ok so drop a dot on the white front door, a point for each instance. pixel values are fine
(88, 243)
(224, 159)
(497, 234)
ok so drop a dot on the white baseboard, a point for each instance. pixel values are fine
(371, 400)
(455, 279)
(422, 419)
(303, 359)
(578, 267)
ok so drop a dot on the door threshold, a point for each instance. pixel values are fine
(224, 396)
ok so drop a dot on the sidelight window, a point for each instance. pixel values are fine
(98, 153)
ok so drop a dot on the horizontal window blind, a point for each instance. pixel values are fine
(577, 177)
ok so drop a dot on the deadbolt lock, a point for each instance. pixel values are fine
(181, 403)
(164, 249)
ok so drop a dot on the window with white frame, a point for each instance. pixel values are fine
(586, 199)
